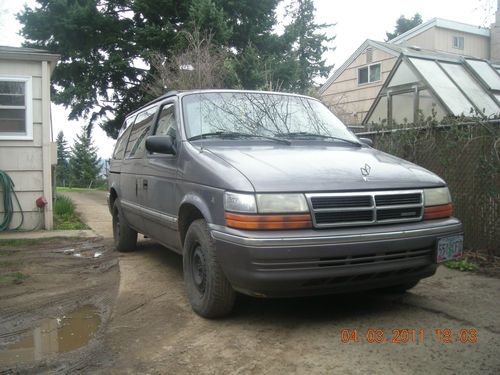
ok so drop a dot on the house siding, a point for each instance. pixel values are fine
(440, 39)
(351, 101)
(23, 160)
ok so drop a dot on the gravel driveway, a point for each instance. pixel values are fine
(153, 329)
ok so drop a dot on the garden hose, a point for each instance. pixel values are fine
(7, 186)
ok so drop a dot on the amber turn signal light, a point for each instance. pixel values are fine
(438, 212)
(255, 222)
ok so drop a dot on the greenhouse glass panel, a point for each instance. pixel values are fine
(472, 88)
(486, 72)
(379, 114)
(427, 104)
(443, 86)
(403, 108)
(403, 76)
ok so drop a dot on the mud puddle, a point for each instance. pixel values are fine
(52, 336)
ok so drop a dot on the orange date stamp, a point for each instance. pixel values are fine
(409, 336)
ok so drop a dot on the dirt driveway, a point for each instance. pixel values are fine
(153, 329)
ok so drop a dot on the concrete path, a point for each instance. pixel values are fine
(46, 234)
(93, 208)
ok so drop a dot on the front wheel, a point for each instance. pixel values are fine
(208, 289)
(124, 236)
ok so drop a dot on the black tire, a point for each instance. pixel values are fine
(124, 236)
(400, 288)
(208, 289)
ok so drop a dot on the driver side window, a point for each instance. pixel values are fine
(166, 122)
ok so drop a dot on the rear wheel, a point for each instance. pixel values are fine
(208, 289)
(124, 236)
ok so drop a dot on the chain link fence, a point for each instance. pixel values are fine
(467, 157)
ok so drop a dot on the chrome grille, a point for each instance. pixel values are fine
(365, 208)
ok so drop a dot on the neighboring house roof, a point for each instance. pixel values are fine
(445, 24)
(386, 47)
(23, 53)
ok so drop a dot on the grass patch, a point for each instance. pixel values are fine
(12, 278)
(462, 265)
(65, 216)
(19, 242)
(63, 189)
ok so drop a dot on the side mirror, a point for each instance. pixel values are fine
(367, 141)
(161, 144)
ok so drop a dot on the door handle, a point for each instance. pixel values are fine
(145, 184)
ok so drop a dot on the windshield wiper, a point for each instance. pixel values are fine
(314, 135)
(234, 135)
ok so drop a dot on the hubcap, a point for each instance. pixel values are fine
(199, 269)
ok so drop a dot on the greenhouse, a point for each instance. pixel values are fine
(432, 85)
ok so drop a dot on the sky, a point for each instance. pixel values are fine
(355, 21)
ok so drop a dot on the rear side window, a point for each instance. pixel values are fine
(122, 138)
(166, 122)
(140, 130)
(120, 145)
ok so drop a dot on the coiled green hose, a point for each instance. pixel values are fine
(7, 186)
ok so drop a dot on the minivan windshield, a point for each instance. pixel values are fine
(262, 115)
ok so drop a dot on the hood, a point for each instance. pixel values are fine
(323, 168)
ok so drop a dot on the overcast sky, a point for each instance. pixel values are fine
(355, 20)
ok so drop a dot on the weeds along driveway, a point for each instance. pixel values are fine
(153, 329)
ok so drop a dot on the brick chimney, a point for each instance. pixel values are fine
(495, 36)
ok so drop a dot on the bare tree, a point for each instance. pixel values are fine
(201, 65)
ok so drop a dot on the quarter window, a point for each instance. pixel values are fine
(15, 108)
(458, 42)
(137, 141)
(369, 74)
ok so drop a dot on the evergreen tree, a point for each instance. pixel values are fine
(100, 43)
(307, 44)
(404, 24)
(62, 170)
(83, 162)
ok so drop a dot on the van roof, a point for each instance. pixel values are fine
(184, 92)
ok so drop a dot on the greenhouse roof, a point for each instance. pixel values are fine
(461, 84)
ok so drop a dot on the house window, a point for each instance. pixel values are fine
(458, 42)
(15, 108)
(369, 74)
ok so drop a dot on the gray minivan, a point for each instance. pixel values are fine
(270, 195)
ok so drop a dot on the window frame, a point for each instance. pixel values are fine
(369, 67)
(458, 38)
(28, 109)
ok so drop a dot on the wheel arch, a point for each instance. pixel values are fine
(191, 208)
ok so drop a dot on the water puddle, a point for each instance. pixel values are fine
(52, 336)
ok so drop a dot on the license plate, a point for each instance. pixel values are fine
(450, 248)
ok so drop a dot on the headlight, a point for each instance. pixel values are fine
(266, 211)
(236, 202)
(281, 203)
(436, 196)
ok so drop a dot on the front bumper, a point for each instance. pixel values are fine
(307, 262)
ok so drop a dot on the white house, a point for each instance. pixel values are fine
(27, 153)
